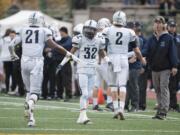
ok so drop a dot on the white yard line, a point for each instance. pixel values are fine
(72, 109)
(90, 130)
(56, 102)
(41, 101)
(74, 118)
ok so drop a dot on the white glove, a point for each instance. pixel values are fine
(68, 54)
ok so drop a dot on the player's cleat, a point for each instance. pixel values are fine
(97, 108)
(83, 119)
(31, 122)
(109, 106)
(115, 116)
(119, 115)
(160, 116)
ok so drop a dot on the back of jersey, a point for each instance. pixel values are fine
(119, 38)
(33, 40)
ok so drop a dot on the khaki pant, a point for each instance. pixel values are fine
(161, 85)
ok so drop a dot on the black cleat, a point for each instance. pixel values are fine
(97, 108)
(119, 116)
(160, 116)
(110, 107)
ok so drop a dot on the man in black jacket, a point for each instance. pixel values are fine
(174, 80)
(162, 56)
(64, 76)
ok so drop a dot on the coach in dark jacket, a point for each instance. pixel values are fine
(162, 56)
(174, 80)
(64, 76)
(135, 67)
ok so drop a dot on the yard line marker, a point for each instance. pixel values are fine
(90, 130)
(41, 101)
(47, 107)
(72, 118)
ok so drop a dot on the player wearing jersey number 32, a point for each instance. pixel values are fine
(89, 46)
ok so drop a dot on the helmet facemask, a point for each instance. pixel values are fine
(89, 32)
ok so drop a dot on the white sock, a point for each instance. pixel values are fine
(83, 114)
(115, 104)
(109, 99)
(27, 96)
(95, 101)
(121, 107)
(32, 100)
(83, 102)
(31, 115)
(122, 101)
(31, 103)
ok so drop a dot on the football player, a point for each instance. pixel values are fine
(101, 68)
(78, 29)
(33, 38)
(117, 50)
(89, 46)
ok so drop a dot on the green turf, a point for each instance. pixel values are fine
(57, 117)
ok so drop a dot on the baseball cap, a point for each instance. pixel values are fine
(160, 19)
(171, 23)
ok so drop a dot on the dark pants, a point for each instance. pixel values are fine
(49, 79)
(173, 88)
(142, 90)
(17, 74)
(64, 81)
(8, 67)
(133, 88)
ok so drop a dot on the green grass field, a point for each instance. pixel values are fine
(57, 117)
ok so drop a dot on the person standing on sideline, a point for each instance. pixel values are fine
(162, 56)
(64, 76)
(174, 80)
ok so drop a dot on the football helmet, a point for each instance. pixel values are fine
(90, 29)
(119, 18)
(103, 23)
(36, 19)
(78, 29)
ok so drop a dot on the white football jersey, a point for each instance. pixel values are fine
(119, 39)
(88, 52)
(33, 40)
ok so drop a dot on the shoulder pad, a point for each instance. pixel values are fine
(76, 39)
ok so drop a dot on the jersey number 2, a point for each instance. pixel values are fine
(29, 38)
(119, 36)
